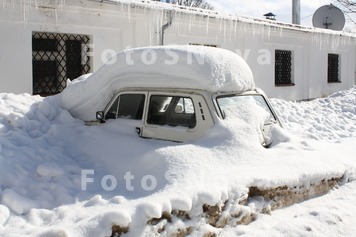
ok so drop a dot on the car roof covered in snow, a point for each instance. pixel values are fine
(181, 67)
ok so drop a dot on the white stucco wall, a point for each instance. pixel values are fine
(116, 27)
(105, 28)
(257, 44)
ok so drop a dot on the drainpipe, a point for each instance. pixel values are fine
(164, 27)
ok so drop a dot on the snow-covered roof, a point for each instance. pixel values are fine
(182, 67)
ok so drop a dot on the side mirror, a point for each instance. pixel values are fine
(100, 116)
(139, 131)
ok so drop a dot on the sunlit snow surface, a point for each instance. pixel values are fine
(44, 150)
(180, 66)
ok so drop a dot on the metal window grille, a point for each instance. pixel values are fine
(57, 57)
(283, 67)
(333, 68)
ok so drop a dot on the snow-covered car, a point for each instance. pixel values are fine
(174, 93)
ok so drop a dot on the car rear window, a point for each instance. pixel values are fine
(172, 111)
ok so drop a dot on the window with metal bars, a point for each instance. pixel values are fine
(56, 58)
(283, 67)
(333, 68)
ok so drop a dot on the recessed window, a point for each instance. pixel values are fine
(56, 58)
(127, 106)
(171, 111)
(283, 67)
(333, 68)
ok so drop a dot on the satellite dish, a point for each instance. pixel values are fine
(329, 17)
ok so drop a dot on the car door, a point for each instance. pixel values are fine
(176, 116)
(127, 108)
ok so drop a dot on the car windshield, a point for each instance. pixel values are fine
(232, 105)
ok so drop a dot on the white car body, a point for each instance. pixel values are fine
(176, 93)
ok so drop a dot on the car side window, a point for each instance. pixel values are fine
(172, 111)
(127, 106)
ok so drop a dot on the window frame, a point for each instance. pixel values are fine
(52, 46)
(283, 83)
(329, 71)
(273, 118)
(249, 93)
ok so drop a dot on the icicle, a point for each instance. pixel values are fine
(129, 12)
(25, 9)
(264, 32)
(161, 21)
(122, 9)
(150, 32)
(190, 23)
(60, 5)
(56, 16)
(179, 20)
(219, 24)
(246, 25)
(336, 42)
(253, 31)
(36, 5)
(207, 25)
(224, 30)
(230, 28)
(145, 17)
(280, 32)
(268, 32)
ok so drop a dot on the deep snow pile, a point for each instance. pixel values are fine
(45, 153)
(331, 118)
(329, 215)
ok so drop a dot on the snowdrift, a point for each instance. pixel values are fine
(59, 177)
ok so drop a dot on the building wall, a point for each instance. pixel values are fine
(257, 45)
(115, 27)
(107, 30)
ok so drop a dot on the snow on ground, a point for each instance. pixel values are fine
(59, 177)
(329, 215)
(331, 118)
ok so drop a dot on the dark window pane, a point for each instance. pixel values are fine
(131, 106)
(44, 77)
(39, 44)
(283, 67)
(73, 58)
(112, 112)
(333, 68)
